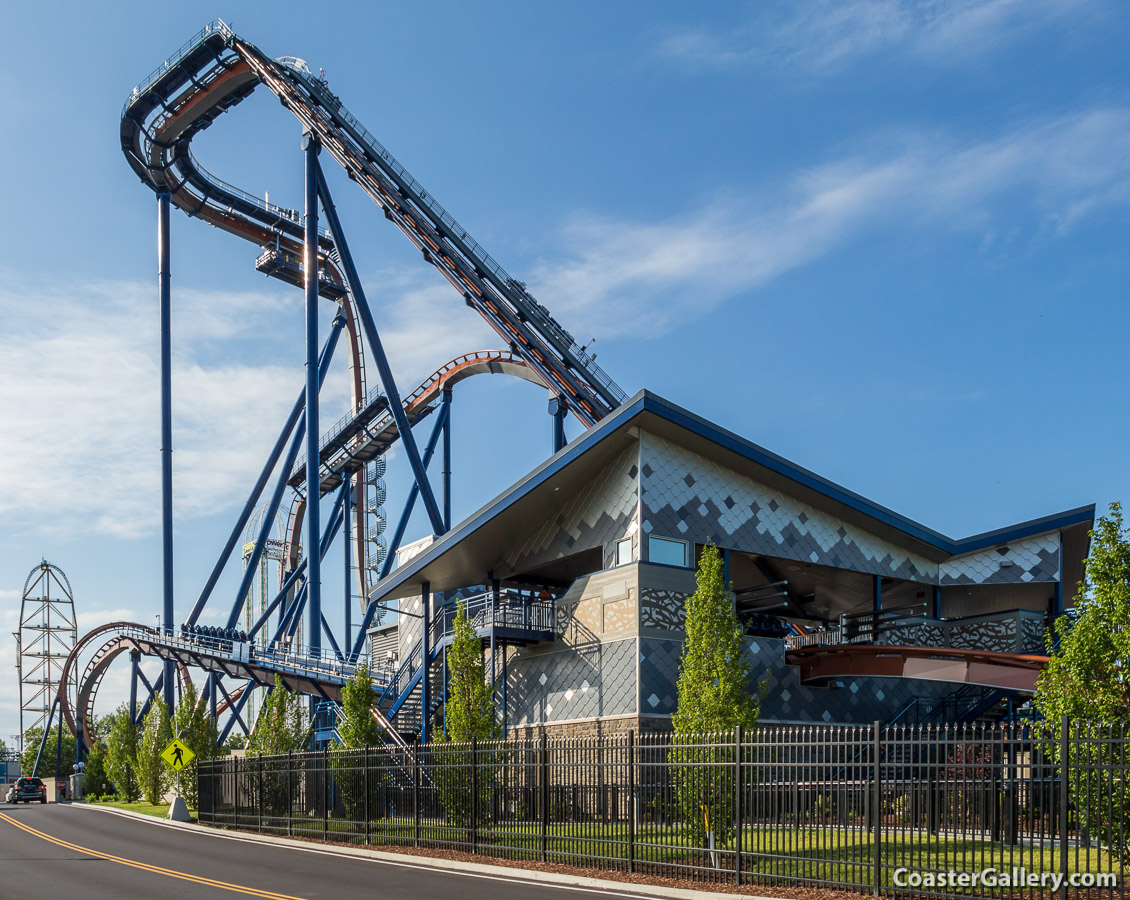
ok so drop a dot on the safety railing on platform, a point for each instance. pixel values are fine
(213, 27)
(279, 656)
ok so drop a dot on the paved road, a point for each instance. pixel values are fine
(59, 852)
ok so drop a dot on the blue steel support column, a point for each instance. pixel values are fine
(165, 299)
(426, 646)
(876, 601)
(347, 531)
(446, 412)
(396, 407)
(557, 410)
(413, 493)
(134, 661)
(261, 482)
(310, 147)
(936, 602)
(1057, 600)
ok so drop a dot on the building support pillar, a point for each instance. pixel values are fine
(426, 655)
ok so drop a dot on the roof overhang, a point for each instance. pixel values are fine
(472, 551)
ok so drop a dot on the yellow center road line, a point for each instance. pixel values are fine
(157, 870)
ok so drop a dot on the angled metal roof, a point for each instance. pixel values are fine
(470, 551)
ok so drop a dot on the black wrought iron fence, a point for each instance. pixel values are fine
(1024, 811)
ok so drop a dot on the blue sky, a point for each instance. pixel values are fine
(887, 240)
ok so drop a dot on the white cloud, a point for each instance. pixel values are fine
(79, 395)
(825, 35)
(621, 277)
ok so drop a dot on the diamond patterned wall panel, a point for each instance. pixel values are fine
(859, 702)
(574, 683)
(604, 512)
(1031, 559)
(411, 626)
(684, 495)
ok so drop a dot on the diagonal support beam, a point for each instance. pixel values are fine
(261, 482)
(236, 710)
(280, 488)
(438, 429)
(356, 289)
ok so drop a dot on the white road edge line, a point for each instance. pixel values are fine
(583, 884)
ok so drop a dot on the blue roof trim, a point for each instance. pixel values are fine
(803, 476)
(645, 401)
(1079, 516)
(610, 423)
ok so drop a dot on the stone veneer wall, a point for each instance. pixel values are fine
(589, 673)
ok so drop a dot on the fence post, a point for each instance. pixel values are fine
(475, 793)
(631, 800)
(365, 786)
(260, 803)
(1064, 751)
(739, 734)
(877, 804)
(543, 792)
(416, 794)
(325, 793)
(289, 792)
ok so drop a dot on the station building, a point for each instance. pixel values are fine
(857, 613)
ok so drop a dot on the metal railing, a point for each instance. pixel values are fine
(279, 656)
(835, 807)
(216, 25)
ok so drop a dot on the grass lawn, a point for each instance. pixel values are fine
(160, 810)
(831, 855)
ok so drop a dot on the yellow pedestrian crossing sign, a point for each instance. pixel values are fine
(177, 755)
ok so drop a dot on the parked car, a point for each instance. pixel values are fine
(28, 789)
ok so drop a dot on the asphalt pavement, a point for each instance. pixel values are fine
(64, 852)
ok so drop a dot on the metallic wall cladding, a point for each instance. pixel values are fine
(684, 495)
(605, 511)
(1030, 559)
(572, 683)
(858, 702)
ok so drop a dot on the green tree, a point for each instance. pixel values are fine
(281, 725)
(153, 775)
(469, 717)
(1086, 681)
(197, 730)
(121, 753)
(280, 728)
(96, 781)
(357, 727)
(716, 693)
(32, 737)
(470, 706)
(236, 741)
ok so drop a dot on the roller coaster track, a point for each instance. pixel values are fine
(217, 70)
(321, 676)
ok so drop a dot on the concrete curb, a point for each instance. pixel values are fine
(507, 873)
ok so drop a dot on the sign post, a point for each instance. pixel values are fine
(178, 755)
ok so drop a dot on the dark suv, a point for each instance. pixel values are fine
(28, 789)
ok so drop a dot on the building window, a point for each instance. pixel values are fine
(624, 552)
(666, 551)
